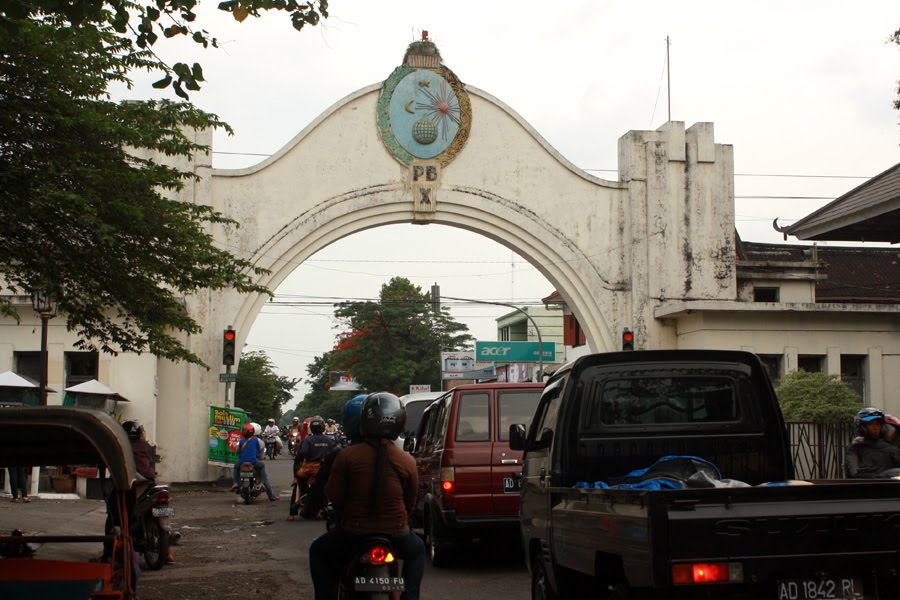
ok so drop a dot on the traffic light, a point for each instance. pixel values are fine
(229, 336)
(627, 340)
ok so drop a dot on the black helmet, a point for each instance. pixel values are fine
(133, 429)
(866, 416)
(383, 416)
(317, 425)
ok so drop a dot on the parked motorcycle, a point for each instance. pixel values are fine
(251, 486)
(149, 525)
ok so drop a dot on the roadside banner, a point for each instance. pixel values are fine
(462, 365)
(224, 434)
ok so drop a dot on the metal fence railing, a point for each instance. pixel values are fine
(817, 449)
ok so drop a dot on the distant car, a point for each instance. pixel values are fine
(415, 405)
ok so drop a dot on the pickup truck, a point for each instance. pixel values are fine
(606, 415)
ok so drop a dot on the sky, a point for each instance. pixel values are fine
(799, 88)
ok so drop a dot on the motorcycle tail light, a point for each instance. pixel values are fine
(163, 497)
(379, 555)
(707, 573)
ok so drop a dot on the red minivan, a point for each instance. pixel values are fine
(467, 482)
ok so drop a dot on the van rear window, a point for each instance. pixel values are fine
(662, 400)
(516, 407)
(473, 423)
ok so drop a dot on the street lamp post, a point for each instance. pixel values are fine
(43, 304)
(514, 307)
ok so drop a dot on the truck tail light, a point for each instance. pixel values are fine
(448, 479)
(707, 573)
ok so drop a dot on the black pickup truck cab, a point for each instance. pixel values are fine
(605, 415)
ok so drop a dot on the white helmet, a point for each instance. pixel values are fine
(256, 428)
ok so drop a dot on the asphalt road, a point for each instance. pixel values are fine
(232, 551)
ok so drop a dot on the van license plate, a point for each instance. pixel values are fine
(378, 584)
(512, 485)
(826, 588)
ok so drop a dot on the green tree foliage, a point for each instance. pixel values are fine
(896, 39)
(138, 25)
(85, 218)
(259, 390)
(397, 340)
(816, 397)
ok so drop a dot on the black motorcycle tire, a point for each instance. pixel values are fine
(156, 544)
(270, 451)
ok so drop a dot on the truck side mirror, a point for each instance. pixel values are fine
(409, 444)
(517, 435)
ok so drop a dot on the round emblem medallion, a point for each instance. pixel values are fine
(424, 113)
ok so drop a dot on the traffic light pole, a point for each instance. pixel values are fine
(527, 316)
(227, 384)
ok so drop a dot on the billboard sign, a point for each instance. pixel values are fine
(415, 388)
(510, 352)
(224, 434)
(462, 365)
(343, 382)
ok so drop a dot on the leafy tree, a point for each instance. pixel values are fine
(137, 25)
(83, 217)
(816, 397)
(397, 340)
(259, 390)
(896, 39)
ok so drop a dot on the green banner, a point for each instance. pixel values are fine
(224, 434)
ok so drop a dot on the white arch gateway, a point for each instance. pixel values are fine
(424, 148)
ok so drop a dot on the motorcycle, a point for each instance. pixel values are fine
(251, 486)
(271, 447)
(294, 443)
(149, 525)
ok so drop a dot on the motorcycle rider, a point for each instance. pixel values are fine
(870, 456)
(308, 461)
(270, 434)
(251, 449)
(331, 428)
(373, 487)
(315, 495)
(144, 464)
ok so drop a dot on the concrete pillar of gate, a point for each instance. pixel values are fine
(680, 223)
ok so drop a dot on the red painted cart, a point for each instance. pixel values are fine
(53, 436)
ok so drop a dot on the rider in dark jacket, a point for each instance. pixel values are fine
(373, 486)
(870, 456)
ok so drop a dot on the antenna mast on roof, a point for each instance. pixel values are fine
(669, 77)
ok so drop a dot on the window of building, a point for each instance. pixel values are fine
(772, 363)
(80, 367)
(765, 294)
(810, 363)
(853, 373)
(28, 364)
(503, 334)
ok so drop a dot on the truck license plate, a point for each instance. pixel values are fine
(378, 584)
(826, 588)
(512, 485)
